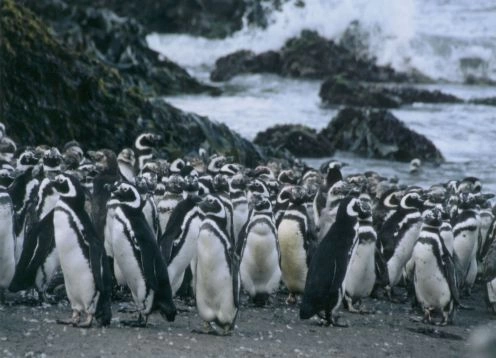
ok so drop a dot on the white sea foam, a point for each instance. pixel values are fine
(431, 36)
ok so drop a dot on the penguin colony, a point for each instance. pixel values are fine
(208, 229)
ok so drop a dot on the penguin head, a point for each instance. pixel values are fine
(311, 189)
(147, 140)
(126, 194)
(105, 161)
(189, 170)
(331, 164)
(261, 204)
(6, 178)
(191, 183)
(433, 216)
(159, 190)
(364, 208)
(177, 165)
(258, 186)
(312, 176)
(220, 183)
(126, 156)
(298, 195)
(230, 169)
(237, 183)
(263, 170)
(67, 186)
(211, 205)
(175, 184)
(272, 186)
(412, 200)
(145, 183)
(284, 195)
(469, 185)
(215, 164)
(28, 159)
(51, 162)
(466, 200)
(287, 177)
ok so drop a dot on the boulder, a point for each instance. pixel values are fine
(488, 101)
(377, 133)
(120, 43)
(299, 140)
(339, 91)
(310, 56)
(52, 94)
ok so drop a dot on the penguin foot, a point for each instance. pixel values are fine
(87, 323)
(291, 300)
(73, 321)
(467, 308)
(207, 329)
(334, 323)
(127, 308)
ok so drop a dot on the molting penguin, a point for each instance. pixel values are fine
(466, 225)
(137, 259)
(360, 273)
(217, 270)
(259, 265)
(82, 256)
(324, 285)
(172, 196)
(399, 234)
(7, 237)
(179, 240)
(433, 270)
(296, 244)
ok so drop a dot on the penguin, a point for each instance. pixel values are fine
(146, 187)
(287, 177)
(327, 271)
(466, 226)
(39, 259)
(127, 164)
(259, 253)
(332, 170)
(433, 270)
(336, 193)
(144, 146)
(221, 189)
(82, 256)
(257, 186)
(217, 270)
(137, 259)
(179, 240)
(172, 196)
(239, 202)
(486, 219)
(399, 234)
(296, 244)
(215, 164)
(282, 203)
(360, 273)
(489, 277)
(7, 235)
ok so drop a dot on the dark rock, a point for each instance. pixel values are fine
(378, 134)
(119, 43)
(50, 94)
(488, 101)
(338, 91)
(310, 56)
(299, 140)
(244, 61)
(210, 18)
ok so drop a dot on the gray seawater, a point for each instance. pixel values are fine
(431, 36)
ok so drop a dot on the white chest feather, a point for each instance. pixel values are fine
(293, 255)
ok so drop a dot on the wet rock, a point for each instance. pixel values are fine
(378, 134)
(118, 42)
(299, 140)
(488, 101)
(55, 95)
(311, 56)
(338, 91)
(244, 61)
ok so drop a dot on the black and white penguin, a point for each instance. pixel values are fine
(433, 270)
(39, 259)
(179, 240)
(296, 244)
(144, 147)
(146, 188)
(327, 271)
(138, 262)
(466, 226)
(489, 276)
(332, 172)
(7, 235)
(282, 202)
(361, 271)
(237, 193)
(221, 189)
(257, 186)
(217, 270)
(82, 256)
(399, 234)
(172, 196)
(259, 253)
(215, 164)
(127, 165)
(336, 193)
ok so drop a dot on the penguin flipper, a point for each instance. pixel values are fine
(240, 245)
(38, 243)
